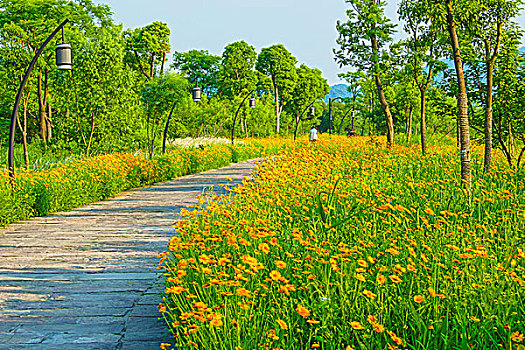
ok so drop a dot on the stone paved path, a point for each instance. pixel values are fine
(86, 279)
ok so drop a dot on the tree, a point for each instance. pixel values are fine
(423, 51)
(97, 102)
(310, 86)
(279, 64)
(147, 47)
(450, 14)
(158, 96)
(198, 65)
(354, 80)
(25, 24)
(487, 27)
(361, 41)
(237, 76)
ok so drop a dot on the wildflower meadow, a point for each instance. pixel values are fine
(349, 244)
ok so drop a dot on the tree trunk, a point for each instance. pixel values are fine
(423, 122)
(463, 120)
(409, 123)
(487, 162)
(49, 122)
(380, 92)
(277, 109)
(42, 110)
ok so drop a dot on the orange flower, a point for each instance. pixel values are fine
(517, 337)
(164, 346)
(369, 294)
(360, 277)
(243, 306)
(280, 264)
(162, 308)
(301, 310)
(200, 305)
(395, 279)
(263, 247)
(242, 292)
(362, 263)
(356, 325)
(378, 328)
(175, 290)
(348, 347)
(282, 324)
(395, 338)
(380, 279)
(217, 322)
(418, 298)
(371, 319)
(432, 292)
(276, 276)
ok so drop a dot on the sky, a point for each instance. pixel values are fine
(305, 27)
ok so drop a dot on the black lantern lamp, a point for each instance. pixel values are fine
(312, 111)
(196, 93)
(63, 54)
(252, 102)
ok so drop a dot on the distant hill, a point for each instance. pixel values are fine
(339, 90)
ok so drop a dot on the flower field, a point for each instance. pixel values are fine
(346, 244)
(66, 186)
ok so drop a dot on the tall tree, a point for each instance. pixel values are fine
(361, 44)
(25, 24)
(487, 27)
(158, 96)
(450, 14)
(237, 75)
(147, 47)
(310, 87)
(423, 51)
(279, 64)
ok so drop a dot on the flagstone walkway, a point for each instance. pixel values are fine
(86, 279)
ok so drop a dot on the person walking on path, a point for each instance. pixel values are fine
(313, 134)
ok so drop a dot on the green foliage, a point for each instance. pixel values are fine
(198, 65)
(236, 76)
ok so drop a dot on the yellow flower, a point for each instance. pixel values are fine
(276, 276)
(242, 292)
(360, 277)
(280, 264)
(369, 294)
(362, 263)
(380, 279)
(356, 325)
(395, 279)
(263, 247)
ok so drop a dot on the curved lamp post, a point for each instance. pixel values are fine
(330, 111)
(196, 95)
(63, 61)
(311, 113)
(342, 120)
(252, 105)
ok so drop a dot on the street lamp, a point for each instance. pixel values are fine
(63, 60)
(252, 105)
(330, 111)
(298, 120)
(196, 95)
